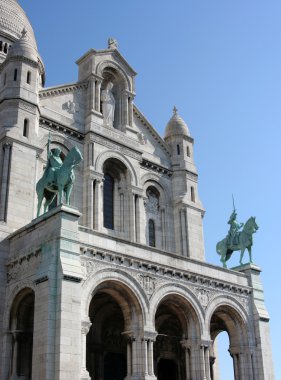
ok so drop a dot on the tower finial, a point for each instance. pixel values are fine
(175, 110)
(112, 43)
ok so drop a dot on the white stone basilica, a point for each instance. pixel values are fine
(116, 285)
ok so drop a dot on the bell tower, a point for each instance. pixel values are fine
(188, 210)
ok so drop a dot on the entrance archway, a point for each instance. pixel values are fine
(21, 329)
(175, 323)
(227, 319)
(116, 318)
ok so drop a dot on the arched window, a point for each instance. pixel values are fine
(25, 127)
(15, 75)
(178, 149)
(151, 233)
(192, 193)
(187, 151)
(108, 202)
(28, 77)
(5, 48)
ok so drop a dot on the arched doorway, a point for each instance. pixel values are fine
(175, 323)
(21, 329)
(115, 319)
(226, 319)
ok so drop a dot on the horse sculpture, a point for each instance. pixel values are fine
(61, 183)
(245, 240)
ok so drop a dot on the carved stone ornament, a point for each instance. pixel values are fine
(71, 107)
(148, 283)
(142, 138)
(203, 296)
(85, 327)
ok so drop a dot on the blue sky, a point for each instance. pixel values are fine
(219, 62)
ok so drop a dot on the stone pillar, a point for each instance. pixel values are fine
(132, 216)
(130, 111)
(7, 148)
(98, 217)
(207, 363)
(129, 359)
(163, 230)
(202, 363)
(186, 346)
(144, 355)
(85, 327)
(125, 109)
(150, 358)
(184, 235)
(140, 220)
(92, 88)
(97, 95)
(89, 210)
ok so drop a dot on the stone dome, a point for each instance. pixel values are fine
(176, 126)
(13, 20)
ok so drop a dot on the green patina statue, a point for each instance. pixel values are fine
(237, 240)
(58, 177)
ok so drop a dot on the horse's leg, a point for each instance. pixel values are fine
(47, 203)
(68, 192)
(223, 258)
(241, 255)
(40, 199)
(60, 191)
(250, 253)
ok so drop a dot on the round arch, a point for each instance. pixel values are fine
(186, 298)
(109, 64)
(151, 179)
(103, 157)
(128, 284)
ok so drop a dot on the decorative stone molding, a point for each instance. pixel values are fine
(71, 107)
(62, 90)
(148, 283)
(157, 168)
(60, 128)
(23, 265)
(206, 287)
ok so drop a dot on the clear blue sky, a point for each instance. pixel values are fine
(219, 62)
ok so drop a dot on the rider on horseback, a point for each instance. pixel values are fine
(233, 233)
(53, 164)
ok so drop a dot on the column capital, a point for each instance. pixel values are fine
(150, 336)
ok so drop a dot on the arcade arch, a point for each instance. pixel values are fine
(116, 322)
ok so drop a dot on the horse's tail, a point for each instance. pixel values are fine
(218, 248)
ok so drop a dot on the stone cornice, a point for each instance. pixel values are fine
(62, 89)
(156, 168)
(107, 257)
(55, 126)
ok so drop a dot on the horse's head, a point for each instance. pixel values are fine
(251, 225)
(77, 155)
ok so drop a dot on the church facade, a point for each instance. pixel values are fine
(114, 285)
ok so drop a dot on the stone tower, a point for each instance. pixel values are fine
(115, 285)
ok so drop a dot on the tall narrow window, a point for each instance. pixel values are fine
(1, 45)
(5, 48)
(15, 75)
(192, 194)
(151, 232)
(187, 151)
(178, 149)
(28, 77)
(108, 202)
(5, 79)
(25, 127)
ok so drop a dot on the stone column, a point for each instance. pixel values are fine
(144, 356)
(98, 217)
(97, 95)
(130, 111)
(125, 108)
(184, 232)
(150, 358)
(132, 216)
(85, 327)
(129, 360)
(7, 148)
(90, 207)
(207, 363)
(163, 230)
(186, 346)
(92, 99)
(202, 363)
(140, 220)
